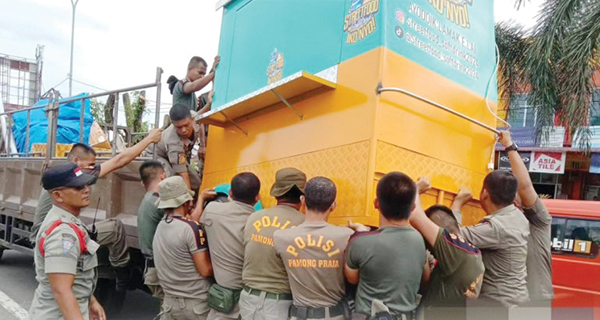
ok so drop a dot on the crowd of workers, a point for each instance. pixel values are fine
(209, 258)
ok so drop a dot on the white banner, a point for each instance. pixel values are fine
(548, 162)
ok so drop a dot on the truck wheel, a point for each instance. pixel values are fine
(111, 300)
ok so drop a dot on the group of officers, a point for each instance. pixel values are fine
(210, 256)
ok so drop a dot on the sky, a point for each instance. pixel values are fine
(120, 43)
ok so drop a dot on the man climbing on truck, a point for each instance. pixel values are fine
(111, 232)
(175, 148)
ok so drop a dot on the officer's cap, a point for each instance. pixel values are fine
(66, 175)
(173, 193)
(286, 179)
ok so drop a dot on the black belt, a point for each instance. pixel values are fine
(269, 295)
(318, 313)
(150, 263)
(397, 316)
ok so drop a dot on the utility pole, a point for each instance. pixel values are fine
(73, 5)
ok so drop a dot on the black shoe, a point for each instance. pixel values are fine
(123, 278)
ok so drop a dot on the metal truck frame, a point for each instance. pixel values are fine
(116, 196)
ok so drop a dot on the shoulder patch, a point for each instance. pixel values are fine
(459, 242)
(197, 230)
(181, 158)
(357, 235)
(68, 241)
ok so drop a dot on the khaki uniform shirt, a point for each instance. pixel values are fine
(502, 238)
(313, 255)
(148, 218)
(63, 255)
(224, 224)
(539, 255)
(458, 274)
(177, 151)
(174, 244)
(263, 269)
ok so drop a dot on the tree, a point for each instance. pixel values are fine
(555, 61)
(134, 113)
(97, 110)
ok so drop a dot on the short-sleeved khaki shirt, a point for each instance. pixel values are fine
(539, 254)
(177, 151)
(263, 269)
(62, 254)
(175, 241)
(224, 223)
(313, 255)
(502, 238)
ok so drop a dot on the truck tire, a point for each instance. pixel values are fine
(1, 252)
(111, 300)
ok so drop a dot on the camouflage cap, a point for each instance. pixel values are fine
(286, 179)
(173, 193)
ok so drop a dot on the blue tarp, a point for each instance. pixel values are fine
(68, 124)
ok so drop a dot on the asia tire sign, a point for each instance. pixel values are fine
(548, 162)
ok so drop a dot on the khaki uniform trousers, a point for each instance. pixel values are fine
(111, 233)
(151, 281)
(177, 308)
(234, 315)
(262, 308)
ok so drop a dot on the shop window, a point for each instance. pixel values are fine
(595, 109)
(558, 229)
(521, 113)
(575, 237)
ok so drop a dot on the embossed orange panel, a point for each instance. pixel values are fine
(345, 165)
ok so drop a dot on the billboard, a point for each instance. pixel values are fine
(454, 38)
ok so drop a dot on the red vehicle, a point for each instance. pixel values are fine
(575, 260)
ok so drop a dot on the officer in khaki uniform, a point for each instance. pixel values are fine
(502, 236)
(174, 150)
(110, 232)
(180, 255)
(313, 255)
(65, 256)
(224, 223)
(267, 294)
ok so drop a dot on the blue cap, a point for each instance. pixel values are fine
(224, 190)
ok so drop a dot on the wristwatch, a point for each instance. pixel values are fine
(512, 147)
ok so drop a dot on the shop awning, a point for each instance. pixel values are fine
(274, 96)
(562, 149)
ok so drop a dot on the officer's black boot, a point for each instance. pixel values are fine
(123, 277)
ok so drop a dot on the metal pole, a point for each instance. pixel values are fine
(27, 133)
(50, 113)
(159, 72)
(435, 104)
(10, 139)
(81, 115)
(115, 120)
(73, 5)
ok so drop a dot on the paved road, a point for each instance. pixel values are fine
(17, 281)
